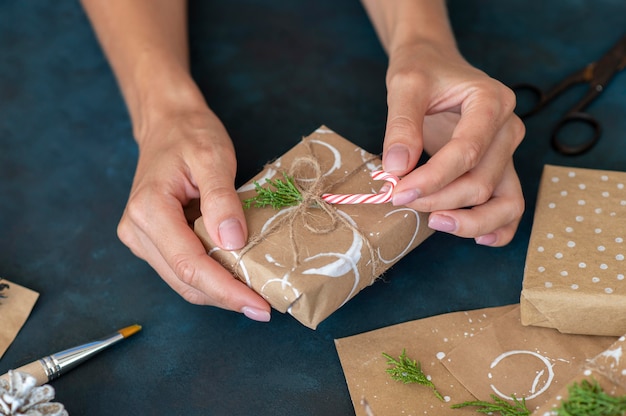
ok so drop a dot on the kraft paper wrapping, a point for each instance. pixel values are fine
(14, 310)
(311, 268)
(575, 266)
(468, 356)
(608, 369)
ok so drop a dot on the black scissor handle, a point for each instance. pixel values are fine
(532, 92)
(561, 145)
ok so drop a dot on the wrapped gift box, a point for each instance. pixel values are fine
(309, 261)
(575, 266)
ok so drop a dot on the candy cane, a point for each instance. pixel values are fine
(379, 198)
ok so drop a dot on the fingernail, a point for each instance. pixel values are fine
(396, 159)
(442, 223)
(405, 197)
(231, 234)
(256, 314)
(487, 239)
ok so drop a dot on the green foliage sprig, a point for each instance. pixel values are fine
(278, 194)
(584, 399)
(409, 371)
(499, 406)
(589, 398)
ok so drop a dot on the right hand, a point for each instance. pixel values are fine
(464, 119)
(182, 158)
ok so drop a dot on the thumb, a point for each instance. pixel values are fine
(220, 205)
(403, 144)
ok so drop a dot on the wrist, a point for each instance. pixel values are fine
(435, 34)
(404, 23)
(160, 89)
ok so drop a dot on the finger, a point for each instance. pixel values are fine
(176, 253)
(143, 248)
(212, 170)
(402, 145)
(477, 186)
(483, 113)
(493, 223)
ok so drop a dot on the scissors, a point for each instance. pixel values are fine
(597, 75)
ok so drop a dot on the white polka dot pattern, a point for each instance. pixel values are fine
(577, 242)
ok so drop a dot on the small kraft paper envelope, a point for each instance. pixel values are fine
(607, 369)
(16, 304)
(575, 265)
(468, 356)
(310, 259)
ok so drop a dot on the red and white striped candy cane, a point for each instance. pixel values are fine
(379, 198)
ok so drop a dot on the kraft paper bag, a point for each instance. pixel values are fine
(16, 304)
(426, 340)
(468, 356)
(309, 260)
(509, 359)
(576, 262)
(608, 369)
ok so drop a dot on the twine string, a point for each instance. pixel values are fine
(312, 190)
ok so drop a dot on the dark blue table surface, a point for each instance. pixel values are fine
(273, 71)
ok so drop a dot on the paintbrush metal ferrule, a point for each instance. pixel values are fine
(52, 366)
(56, 364)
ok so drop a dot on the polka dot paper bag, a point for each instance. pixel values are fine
(575, 266)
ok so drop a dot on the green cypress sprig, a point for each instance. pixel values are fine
(589, 398)
(409, 371)
(584, 399)
(278, 194)
(498, 406)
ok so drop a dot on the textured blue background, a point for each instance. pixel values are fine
(273, 71)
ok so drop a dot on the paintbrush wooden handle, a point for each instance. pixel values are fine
(35, 369)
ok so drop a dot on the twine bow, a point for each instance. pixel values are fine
(314, 196)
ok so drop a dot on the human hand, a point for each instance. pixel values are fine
(183, 158)
(465, 121)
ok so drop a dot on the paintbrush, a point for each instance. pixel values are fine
(52, 366)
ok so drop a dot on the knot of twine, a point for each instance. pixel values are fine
(311, 189)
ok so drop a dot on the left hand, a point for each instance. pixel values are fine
(464, 119)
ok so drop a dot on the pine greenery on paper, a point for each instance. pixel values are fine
(409, 371)
(498, 406)
(584, 399)
(278, 194)
(588, 398)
